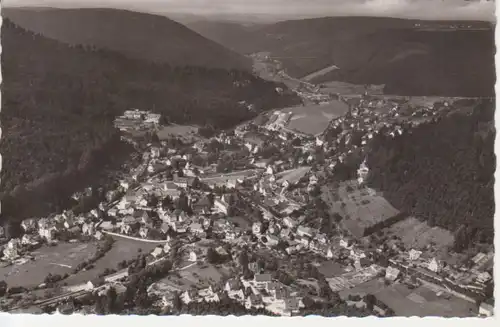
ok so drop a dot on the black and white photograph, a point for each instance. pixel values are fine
(280, 158)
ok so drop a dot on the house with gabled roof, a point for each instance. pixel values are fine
(261, 280)
(254, 301)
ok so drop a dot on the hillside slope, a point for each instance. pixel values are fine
(137, 35)
(442, 172)
(430, 59)
(59, 102)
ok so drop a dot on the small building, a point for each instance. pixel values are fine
(99, 235)
(414, 254)
(256, 228)
(434, 265)
(292, 305)
(28, 225)
(261, 280)
(192, 256)
(144, 232)
(157, 252)
(88, 229)
(304, 231)
(391, 273)
(486, 309)
(254, 301)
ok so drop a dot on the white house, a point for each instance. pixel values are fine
(192, 256)
(29, 225)
(363, 172)
(144, 232)
(414, 254)
(484, 277)
(434, 265)
(289, 222)
(88, 229)
(256, 227)
(157, 252)
(391, 273)
(304, 231)
(486, 309)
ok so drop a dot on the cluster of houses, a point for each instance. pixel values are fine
(136, 119)
(260, 292)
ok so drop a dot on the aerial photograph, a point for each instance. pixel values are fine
(248, 157)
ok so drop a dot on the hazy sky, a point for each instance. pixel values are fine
(425, 9)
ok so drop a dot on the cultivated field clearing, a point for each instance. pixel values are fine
(175, 130)
(314, 119)
(360, 208)
(123, 249)
(423, 302)
(60, 259)
(417, 234)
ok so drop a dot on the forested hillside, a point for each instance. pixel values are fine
(58, 102)
(409, 60)
(137, 35)
(442, 172)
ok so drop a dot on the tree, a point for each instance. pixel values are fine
(370, 301)
(3, 288)
(100, 306)
(243, 259)
(177, 302)
(111, 300)
(212, 256)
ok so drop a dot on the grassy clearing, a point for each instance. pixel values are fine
(331, 269)
(370, 287)
(423, 302)
(177, 131)
(418, 234)
(60, 259)
(123, 249)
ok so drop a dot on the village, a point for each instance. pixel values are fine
(246, 203)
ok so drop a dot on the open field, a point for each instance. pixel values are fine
(314, 119)
(292, 175)
(331, 269)
(123, 249)
(175, 130)
(370, 287)
(319, 73)
(418, 234)
(360, 208)
(60, 259)
(423, 302)
(344, 88)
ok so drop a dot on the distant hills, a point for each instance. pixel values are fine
(59, 102)
(137, 35)
(410, 57)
